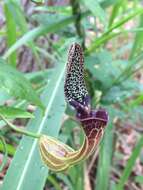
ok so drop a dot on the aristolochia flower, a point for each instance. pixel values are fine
(57, 155)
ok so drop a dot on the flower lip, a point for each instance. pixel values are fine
(100, 114)
(84, 111)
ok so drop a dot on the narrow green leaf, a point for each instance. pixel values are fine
(66, 10)
(39, 76)
(108, 34)
(15, 84)
(18, 16)
(27, 159)
(130, 164)
(11, 112)
(54, 182)
(115, 11)
(41, 30)
(137, 101)
(4, 161)
(10, 149)
(11, 33)
(96, 9)
(138, 40)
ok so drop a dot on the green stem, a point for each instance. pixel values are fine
(77, 12)
(24, 132)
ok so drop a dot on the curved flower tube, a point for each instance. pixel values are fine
(57, 155)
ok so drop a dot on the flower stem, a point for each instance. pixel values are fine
(24, 132)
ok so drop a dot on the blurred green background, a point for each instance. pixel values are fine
(34, 41)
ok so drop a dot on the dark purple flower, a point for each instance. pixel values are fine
(75, 89)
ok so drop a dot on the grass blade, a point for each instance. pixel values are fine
(11, 112)
(115, 12)
(41, 30)
(130, 164)
(11, 33)
(118, 24)
(138, 41)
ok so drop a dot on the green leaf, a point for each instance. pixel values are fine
(39, 76)
(11, 112)
(41, 30)
(115, 12)
(139, 179)
(4, 161)
(49, 18)
(130, 164)
(19, 20)
(11, 32)
(18, 15)
(96, 9)
(10, 149)
(137, 101)
(27, 161)
(98, 65)
(138, 40)
(109, 33)
(15, 84)
(66, 10)
(54, 182)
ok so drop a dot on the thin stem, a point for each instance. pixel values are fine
(24, 132)
(77, 12)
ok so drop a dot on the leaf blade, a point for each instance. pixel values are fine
(11, 112)
(130, 164)
(96, 10)
(11, 32)
(21, 168)
(15, 84)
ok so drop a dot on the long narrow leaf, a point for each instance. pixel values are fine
(19, 20)
(116, 25)
(27, 160)
(138, 41)
(130, 164)
(115, 11)
(11, 112)
(11, 33)
(41, 30)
